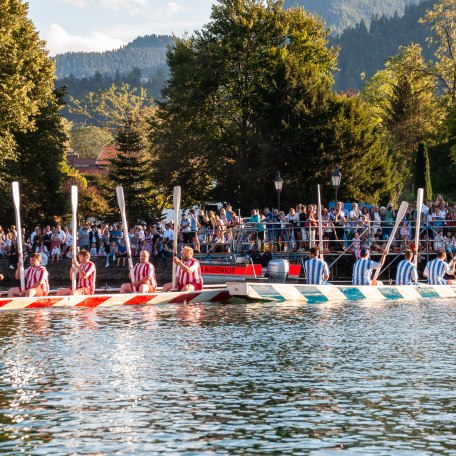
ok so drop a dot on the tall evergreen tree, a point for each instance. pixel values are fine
(131, 169)
(423, 172)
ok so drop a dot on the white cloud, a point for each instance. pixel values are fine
(78, 3)
(59, 41)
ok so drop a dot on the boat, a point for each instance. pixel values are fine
(314, 294)
(207, 295)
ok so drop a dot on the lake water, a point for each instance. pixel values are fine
(232, 379)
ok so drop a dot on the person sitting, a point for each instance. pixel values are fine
(317, 271)
(36, 279)
(142, 277)
(85, 272)
(362, 269)
(406, 273)
(188, 274)
(435, 270)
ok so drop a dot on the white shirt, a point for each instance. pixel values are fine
(169, 234)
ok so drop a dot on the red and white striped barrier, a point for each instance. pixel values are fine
(108, 300)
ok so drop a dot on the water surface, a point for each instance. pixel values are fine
(230, 379)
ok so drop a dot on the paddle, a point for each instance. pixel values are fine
(74, 228)
(17, 205)
(320, 222)
(121, 202)
(419, 207)
(399, 216)
(176, 204)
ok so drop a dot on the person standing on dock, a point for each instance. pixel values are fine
(362, 269)
(142, 277)
(86, 272)
(188, 275)
(435, 270)
(406, 271)
(317, 271)
(36, 279)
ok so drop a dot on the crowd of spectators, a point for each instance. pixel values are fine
(347, 227)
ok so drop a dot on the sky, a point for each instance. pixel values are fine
(100, 25)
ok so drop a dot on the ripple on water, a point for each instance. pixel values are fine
(266, 379)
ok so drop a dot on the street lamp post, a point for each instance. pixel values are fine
(278, 183)
(336, 177)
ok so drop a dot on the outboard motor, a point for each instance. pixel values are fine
(278, 270)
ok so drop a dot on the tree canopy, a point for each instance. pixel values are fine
(252, 93)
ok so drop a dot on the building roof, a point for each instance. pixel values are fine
(106, 154)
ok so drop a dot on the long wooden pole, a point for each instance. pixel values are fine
(123, 214)
(17, 206)
(419, 208)
(320, 222)
(74, 228)
(176, 204)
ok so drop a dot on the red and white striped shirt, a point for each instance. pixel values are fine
(194, 278)
(89, 280)
(37, 274)
(142, 270)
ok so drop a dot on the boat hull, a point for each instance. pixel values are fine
(314, 294)
(110, 300)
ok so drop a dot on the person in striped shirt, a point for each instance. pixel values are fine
(86, 272)
(36, 279)
(317, 271)
(142, 276)
(436, 269)
(362, 269)
(406, 273)
(188, 275)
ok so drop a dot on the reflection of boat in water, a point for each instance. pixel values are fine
(313, 294)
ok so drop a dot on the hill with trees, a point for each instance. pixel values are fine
(340, 14)
(364, 50)
(147, 53)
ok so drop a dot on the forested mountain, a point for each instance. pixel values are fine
(340, 14)
(365, 49)
(147, 53)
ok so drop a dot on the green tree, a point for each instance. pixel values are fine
(41, 164)
(442, 21)
(108, 108)
(131, 169)
(87, 141)
(250, 94)
(26, 79)
(423, 172)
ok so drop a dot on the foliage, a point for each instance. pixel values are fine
(131, 170)
(442, 21)
(26, 80)
(405, 100)
(423, 172)
(341, 14)
(88, 141)
(109, 108)
(250, 94)
(41, 164)
(364, 49)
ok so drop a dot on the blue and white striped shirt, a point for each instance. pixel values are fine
(362, 271)
(435, 271)
(406, 273)
(316, 269)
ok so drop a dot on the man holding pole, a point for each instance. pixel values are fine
(435, 270)
(36, 279)
(362, 269)
(317, 271)
(142, 277)
(188, 275)
(85, 271)
(406, 273)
